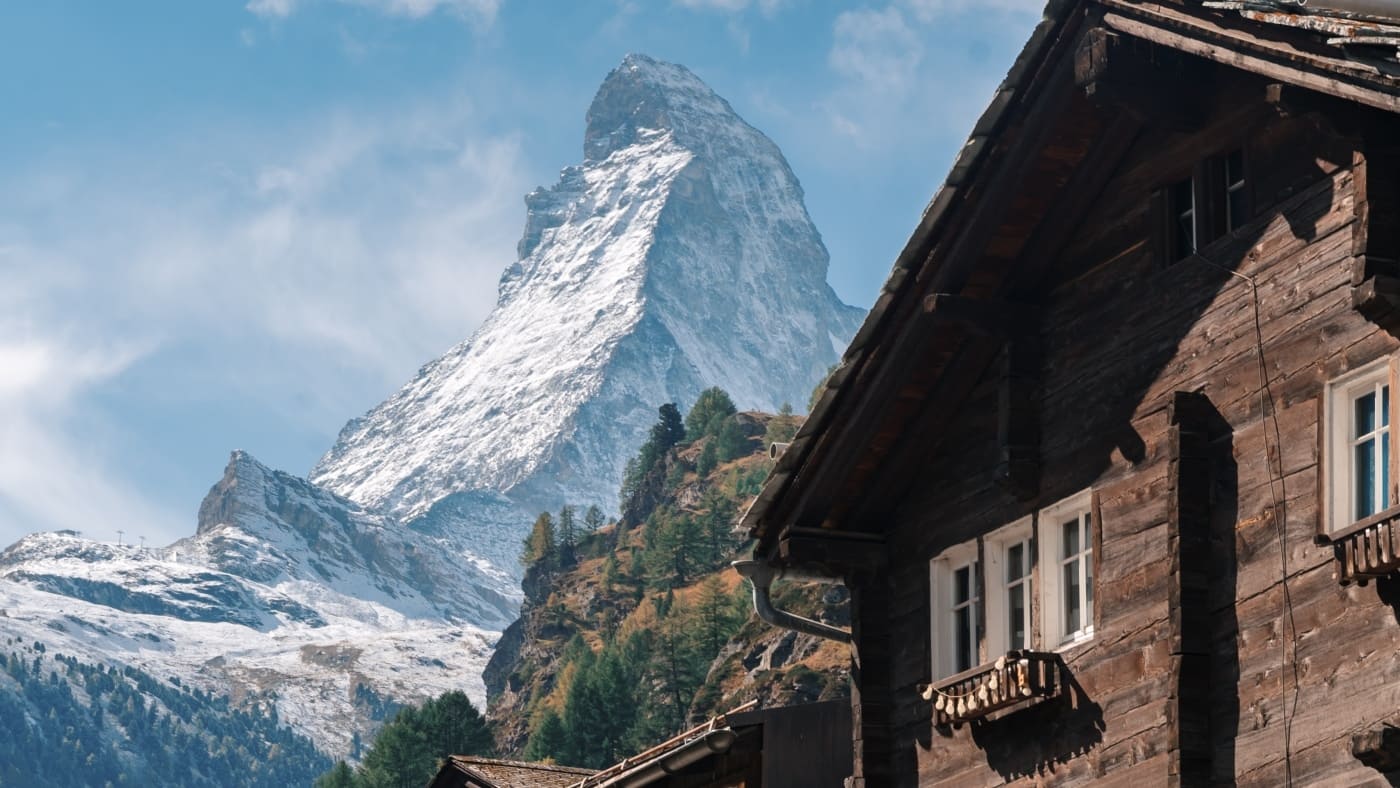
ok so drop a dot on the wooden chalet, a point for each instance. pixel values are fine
(1109, 470)
(469, 771)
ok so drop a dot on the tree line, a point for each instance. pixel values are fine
(410, 748)
(68, 722)
(644, 685)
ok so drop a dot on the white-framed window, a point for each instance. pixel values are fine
(1357, 408)
(955, 584)
(1066, 537)
(1010, 561)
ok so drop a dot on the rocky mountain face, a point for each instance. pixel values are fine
(617, 597)
(286, 592)
(677, 256)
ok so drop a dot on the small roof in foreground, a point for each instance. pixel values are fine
(470, 770)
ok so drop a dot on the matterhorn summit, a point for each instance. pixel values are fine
(678, 255)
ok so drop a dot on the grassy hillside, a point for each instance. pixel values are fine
(636, 630)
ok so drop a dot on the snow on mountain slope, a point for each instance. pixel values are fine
(285, 590)
(679, 255)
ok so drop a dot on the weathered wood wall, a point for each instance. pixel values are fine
(1182, 682)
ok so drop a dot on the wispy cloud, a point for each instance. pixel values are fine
(309, 269)
(888, 80)
(928, 10)
(476, 11)
(54, 470)
(766, 7)
(877, 48)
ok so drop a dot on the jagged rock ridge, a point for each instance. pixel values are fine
(285, 591)
(678, 255)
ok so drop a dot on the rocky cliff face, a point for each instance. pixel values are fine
(285, 591)
(677, 256)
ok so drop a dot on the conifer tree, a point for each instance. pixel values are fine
(341, 776)
(568, 537)
(669, 429)
(709, 458)
(593, 519)
(599, 711)
(731, 440)
(708, 413)
(715, 614)
(540, 544)
(547, 738)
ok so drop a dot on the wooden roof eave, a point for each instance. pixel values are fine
(1304, 63)
(912, 270)
(1294, 55)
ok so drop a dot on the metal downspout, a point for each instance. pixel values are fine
(761, 575)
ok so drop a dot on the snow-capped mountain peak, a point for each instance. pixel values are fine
(646, 274)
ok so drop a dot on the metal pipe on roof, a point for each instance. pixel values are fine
(761, 575)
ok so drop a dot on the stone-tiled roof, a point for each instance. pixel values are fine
(492, 773)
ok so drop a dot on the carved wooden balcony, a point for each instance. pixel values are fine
(1020, 678)
(1368, 549)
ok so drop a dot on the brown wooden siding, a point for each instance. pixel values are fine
(1122, 335)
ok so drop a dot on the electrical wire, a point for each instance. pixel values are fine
(1268, 416)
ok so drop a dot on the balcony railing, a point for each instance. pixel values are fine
(1016, 679)
(1368, 549)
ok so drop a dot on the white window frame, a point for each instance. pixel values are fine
(1051, 540)
(1338, 399)
(998, 598)
(942, 570)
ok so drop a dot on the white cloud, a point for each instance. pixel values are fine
(928, 10)
(481, 12)
(53, 473)
(308, 270)
(766, 7)
(877, 48)
(890, 83)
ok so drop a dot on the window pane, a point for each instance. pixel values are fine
(1365, 409)
(1385, 406)
(1071, 598)
(1016, 614)
(1071, 538)
(1239, 210)
(1234, 168)
(962, 639)
(962, 585)
(1386, 503)
(1365, 479)
(1015, 562)
(1183, 198)
(1088, 589)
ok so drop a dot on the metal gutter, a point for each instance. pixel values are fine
(761, 575)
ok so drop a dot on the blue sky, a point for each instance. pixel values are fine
(239, 224)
